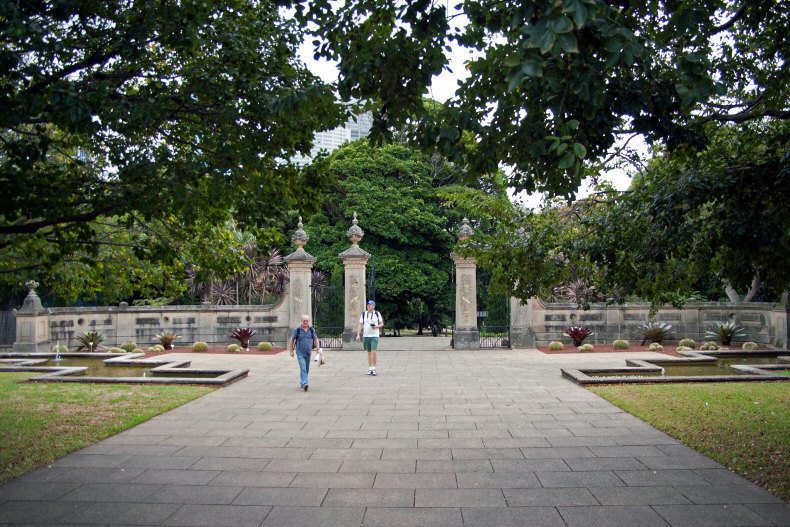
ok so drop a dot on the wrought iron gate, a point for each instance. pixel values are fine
(328, 312)
(452, 303)
(7, 328)
(493, 318)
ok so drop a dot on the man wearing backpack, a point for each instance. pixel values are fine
(305, 339)
(369, 324)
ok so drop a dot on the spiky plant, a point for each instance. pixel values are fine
(578, 334)
(655, 331)
(90, 340)
(167, 339)
(726, 331)
(243, 335)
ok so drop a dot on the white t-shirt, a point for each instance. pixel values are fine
(367, 319)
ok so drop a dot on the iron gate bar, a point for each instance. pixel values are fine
(328, 313)
(493, 319)
(452, 303)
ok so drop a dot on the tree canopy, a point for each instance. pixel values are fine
(690, 223)
(166, 118)
(554, 91)
(409, 231)
(556, 84)
(722, 213)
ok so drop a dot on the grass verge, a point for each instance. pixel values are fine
(744, 426)
(42, 422)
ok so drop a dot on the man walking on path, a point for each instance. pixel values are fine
(369, 324)
(305, 339)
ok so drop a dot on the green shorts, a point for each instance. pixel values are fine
(370, 343)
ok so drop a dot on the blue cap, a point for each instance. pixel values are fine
(371, 302)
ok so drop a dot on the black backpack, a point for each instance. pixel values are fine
(310, 331)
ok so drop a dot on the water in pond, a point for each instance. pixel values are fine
(720, 367)
(98, 368)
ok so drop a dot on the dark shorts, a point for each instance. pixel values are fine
(370, 343)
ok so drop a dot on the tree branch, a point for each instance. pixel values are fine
(750, 116)
(28, 228)
(729, 23)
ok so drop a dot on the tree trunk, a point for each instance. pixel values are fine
(733, 295)
(756, 283)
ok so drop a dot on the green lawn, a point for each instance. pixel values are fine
(40, 422)
(743, 425)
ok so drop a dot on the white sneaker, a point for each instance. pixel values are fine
(373, 372)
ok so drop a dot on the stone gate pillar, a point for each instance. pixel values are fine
(466, 335)
(522, 333)
(354, 261)
(32, 324)
(300, 266)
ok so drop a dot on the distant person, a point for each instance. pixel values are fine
(303, 339)
(369, 324)
(435, 331)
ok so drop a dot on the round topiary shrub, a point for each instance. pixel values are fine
(620, 344)
(137, 350)
(655, 346)
(152, 349)
(116, 350)
(59, 349)
(555, 345)
(128, 346)
(709, 346)
(234, 348)
(199, 346)
(265, 346)
(689, 343)
(749, 346)
(159, 348)
(586, 347)
(683, 348)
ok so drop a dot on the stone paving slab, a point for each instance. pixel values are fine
(439, 437)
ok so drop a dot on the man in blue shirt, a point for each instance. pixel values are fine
(305, 339)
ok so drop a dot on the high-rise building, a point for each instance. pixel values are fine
(330, 140)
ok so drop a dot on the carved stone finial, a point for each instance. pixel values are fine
(465, 231)
(32, 303)
(300, 237)
(355, 232)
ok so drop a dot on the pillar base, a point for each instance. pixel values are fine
(466, 339)
(350, 341)
(522, 338)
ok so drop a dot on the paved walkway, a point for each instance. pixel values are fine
(484, 438)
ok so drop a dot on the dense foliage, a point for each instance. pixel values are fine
(554, 84)
(555, 91)
(722, 213)
(157, 120)
(408, 230)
